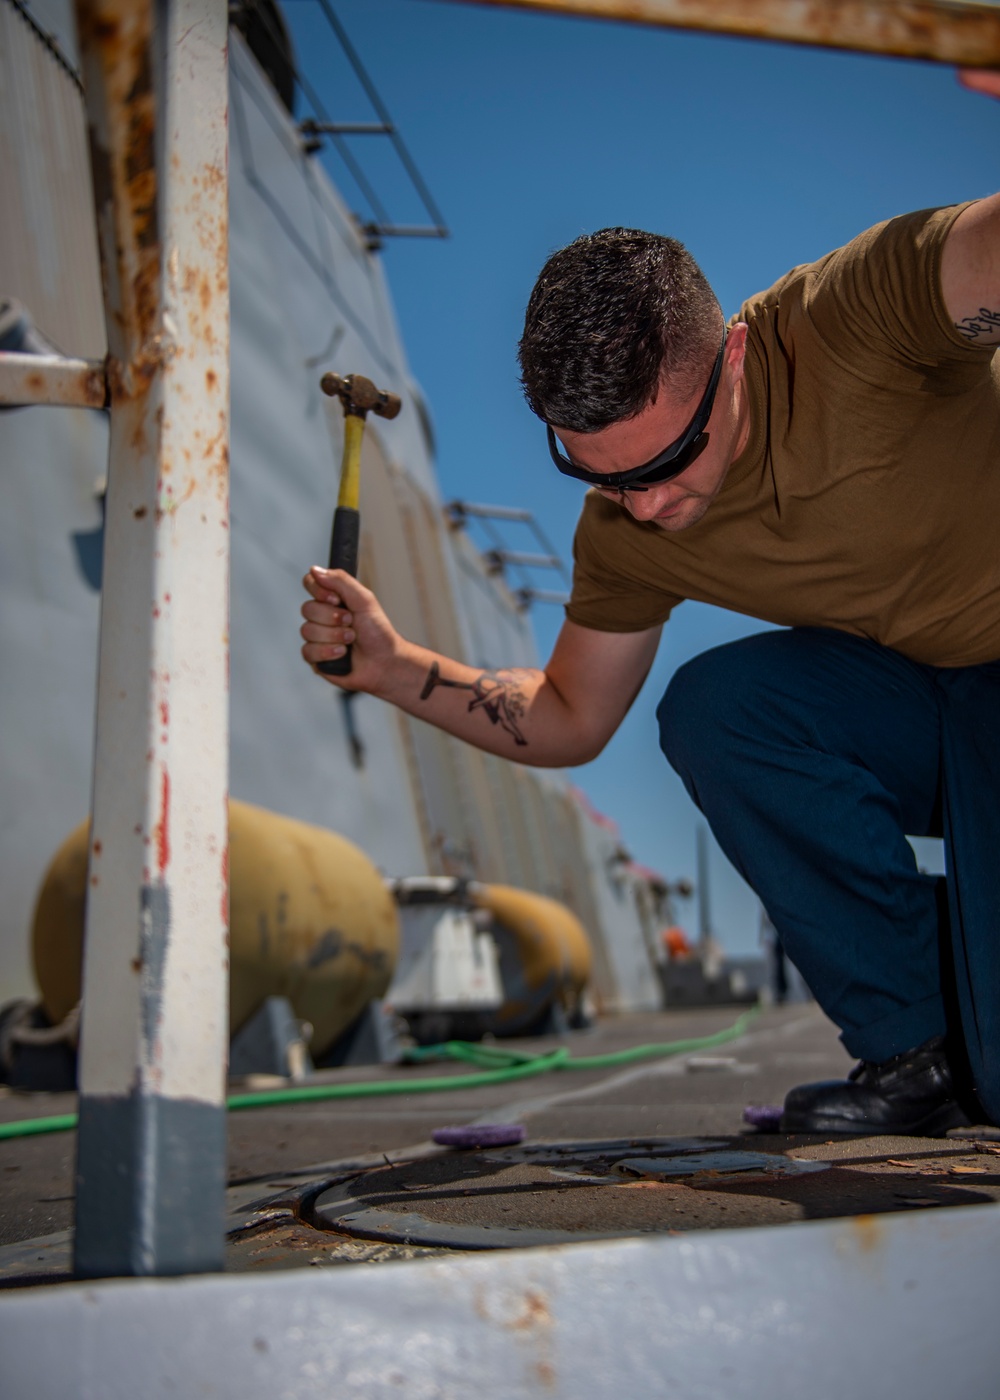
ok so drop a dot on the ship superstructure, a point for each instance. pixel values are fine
(308, 293)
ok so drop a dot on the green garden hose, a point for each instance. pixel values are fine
(499, 1066)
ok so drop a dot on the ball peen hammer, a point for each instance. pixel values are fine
(359, 397)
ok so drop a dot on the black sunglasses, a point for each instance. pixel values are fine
(666, 464)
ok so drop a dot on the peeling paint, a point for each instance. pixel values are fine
(154, 940)
(163, 825)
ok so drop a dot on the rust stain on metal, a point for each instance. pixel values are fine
(546, 1373)
(140, 512)
(141, 190)
(943, 31)
(120, 39)
(534, 1312)
(52, 379)
(217, 447)
(96, 387)
(189, 491)
(105, 30)
(131, 380)
(867, 1231)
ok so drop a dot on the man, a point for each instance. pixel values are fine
(829, 461)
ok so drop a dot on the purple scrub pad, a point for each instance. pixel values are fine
(765, 1116)
(480, 1135)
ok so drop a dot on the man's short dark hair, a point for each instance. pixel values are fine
(611, 317)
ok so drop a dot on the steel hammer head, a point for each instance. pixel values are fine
(359, 395)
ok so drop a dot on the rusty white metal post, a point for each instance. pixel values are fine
(943, 31)
(151, 1149)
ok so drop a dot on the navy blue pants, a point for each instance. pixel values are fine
(813, 754)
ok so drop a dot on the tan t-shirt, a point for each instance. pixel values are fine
(868, 496)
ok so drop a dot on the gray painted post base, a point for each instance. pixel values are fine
(150, 1187)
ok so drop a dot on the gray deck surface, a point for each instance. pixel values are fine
(275, 1151)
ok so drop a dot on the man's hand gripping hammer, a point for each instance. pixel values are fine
(359, 397)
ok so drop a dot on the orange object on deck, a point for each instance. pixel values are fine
(677, 943)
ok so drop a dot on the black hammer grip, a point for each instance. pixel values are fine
(343, 555)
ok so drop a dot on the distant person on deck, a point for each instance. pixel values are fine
(829, 461)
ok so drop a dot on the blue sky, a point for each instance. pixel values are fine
(532, 129)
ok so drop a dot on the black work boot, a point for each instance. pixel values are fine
(910, 1094)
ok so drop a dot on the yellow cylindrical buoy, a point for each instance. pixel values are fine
(310, 920)
(545, 955)
(57, 929)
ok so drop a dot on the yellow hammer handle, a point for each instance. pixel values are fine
(350, 469)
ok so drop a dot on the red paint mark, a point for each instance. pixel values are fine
(225, 889)
(166, 597)
(164, 714)
(98, 848)
(94, 880)
(163, 826)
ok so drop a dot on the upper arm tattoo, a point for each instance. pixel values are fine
(498, 695)
(986, 324)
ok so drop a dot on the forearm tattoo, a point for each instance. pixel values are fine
(987, 323)
(497, 695)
